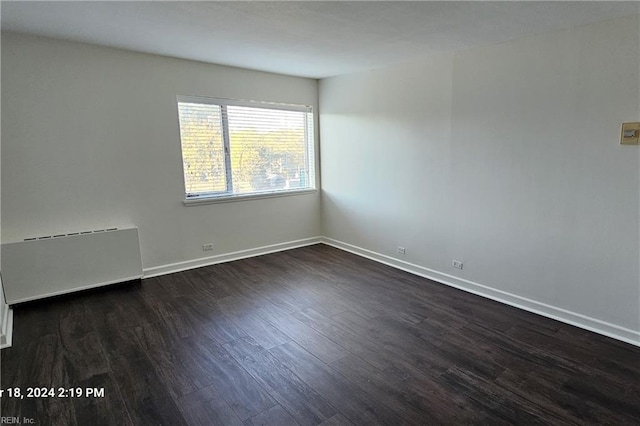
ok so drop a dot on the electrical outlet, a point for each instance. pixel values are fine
(207, 247)
(401, 250)
(456, 264)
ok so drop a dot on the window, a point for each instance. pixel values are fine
(236, 148)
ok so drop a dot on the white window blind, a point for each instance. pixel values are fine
(232, 148)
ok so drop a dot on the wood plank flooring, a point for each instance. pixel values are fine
(312, 336)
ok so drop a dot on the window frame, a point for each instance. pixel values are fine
(228, 195)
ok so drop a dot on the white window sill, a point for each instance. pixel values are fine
(246, 197)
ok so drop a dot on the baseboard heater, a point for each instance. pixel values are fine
(51, 265)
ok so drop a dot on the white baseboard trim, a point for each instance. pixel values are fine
(553, 312)
(6, 335)
(227, 257)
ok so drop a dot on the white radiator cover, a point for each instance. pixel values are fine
(49, 266)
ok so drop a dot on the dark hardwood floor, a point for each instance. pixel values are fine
(310, 336)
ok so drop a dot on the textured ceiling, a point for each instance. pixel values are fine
(310, 39)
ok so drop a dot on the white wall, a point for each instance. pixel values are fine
(2, 304)
(6, 314)
(506, 157)
(90, 139)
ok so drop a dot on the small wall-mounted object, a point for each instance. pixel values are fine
(630, 134)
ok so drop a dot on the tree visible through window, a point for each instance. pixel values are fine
(241, 147)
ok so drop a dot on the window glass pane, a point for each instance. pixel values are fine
(232, 147)
(202, 148)
(269, 149)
